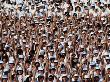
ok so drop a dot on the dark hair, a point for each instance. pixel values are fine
(27, 79)
(51, 77)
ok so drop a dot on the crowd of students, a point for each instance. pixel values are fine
(55, 41)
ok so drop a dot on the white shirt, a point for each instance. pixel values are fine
(19, 1)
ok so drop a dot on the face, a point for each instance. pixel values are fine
(37, 64)
(11, 65)
(27, 65)
(108, 71)
(4, 60)
(20, 72)
(63, 72)
(40, 71)
(41, 78)
(75, 3)
(98, 61)
(64, 79)
(109, 78)
(19, 8)
(97, 79)
(55, 63)
(50, 79)
(21, 60)
(98, 71)
(1, 66)
(4, 80)
(41, 59)
(53, 71)
(108, 61)
(32, 7)
(76, 77)
(85, 72)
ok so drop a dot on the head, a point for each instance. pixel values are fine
(40, 78)
(76, 77)
(64, 78)
(51, 78)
